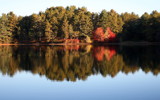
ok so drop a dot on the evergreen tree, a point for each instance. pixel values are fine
(48, 31)
(24, 28)
(82, 22)
(3, 28)
(65, 27)
(37, 28)
(102, 21)
(95, 19)
(12, 23)
(70, 30)
(114, 21)
(8, 27)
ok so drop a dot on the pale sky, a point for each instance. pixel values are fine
(27, 7)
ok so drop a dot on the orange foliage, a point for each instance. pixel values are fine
(111, 36)
(98, 34)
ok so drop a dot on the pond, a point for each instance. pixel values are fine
(80, 72)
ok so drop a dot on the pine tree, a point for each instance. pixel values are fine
(71, 31)
(12, 22)
(8, 25)
(37, 27)
(114, 21)
(82, 22)
(65, 27)
(48, 31)
(102, 21)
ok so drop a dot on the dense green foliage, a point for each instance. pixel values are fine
(145, 28)
(71, 22)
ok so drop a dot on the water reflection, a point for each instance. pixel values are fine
(76, 62)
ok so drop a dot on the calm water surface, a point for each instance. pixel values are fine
(79, 72)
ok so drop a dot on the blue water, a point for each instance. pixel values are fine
(27, 86)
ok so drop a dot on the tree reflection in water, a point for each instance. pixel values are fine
(75, 62)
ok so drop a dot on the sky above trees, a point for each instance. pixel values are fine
(27, 7)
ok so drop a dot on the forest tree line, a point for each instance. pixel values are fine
(58, 23)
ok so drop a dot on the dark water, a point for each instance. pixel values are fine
(79, 72)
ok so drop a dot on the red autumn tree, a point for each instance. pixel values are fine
(98, 35)
(109, 35)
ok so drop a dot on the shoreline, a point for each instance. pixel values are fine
(37, 44)
(128, 43)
